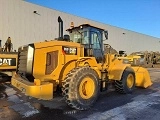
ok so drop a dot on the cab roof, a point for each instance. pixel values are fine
(83, 26)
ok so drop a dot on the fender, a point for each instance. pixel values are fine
(66, 68)
(91, 62)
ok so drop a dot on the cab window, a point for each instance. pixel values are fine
(80, 37)
(85, 38)
(75, 37)
(95, 40)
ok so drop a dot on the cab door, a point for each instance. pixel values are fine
(96, 43)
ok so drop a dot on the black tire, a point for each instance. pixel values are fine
(127, 83)
(81, 88)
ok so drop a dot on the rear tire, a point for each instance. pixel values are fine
(81, 88)
(127, 83)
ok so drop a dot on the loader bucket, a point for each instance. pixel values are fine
(142, 77)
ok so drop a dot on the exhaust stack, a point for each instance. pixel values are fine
(0, 43)
(1, 49)
(60, 28)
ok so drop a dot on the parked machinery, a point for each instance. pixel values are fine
(8, 62)
(148, 59)
(76, 64)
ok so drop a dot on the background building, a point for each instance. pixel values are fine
(26, 23)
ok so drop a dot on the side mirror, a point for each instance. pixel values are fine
(106, 34)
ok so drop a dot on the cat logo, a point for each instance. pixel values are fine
(8, 61)
(69, 50)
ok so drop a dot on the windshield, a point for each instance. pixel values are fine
(80, 37)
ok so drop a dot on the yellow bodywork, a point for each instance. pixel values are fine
(6, 66)
(142, 74)
(117, 67)
(8, 63)
(131, 59)
(42, 91)
(142, 77)
(46, 81)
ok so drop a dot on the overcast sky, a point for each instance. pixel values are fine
(142, 16)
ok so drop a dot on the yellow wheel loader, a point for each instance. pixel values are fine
(76, 63)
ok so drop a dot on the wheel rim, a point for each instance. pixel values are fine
(86, 88)
(130, 81)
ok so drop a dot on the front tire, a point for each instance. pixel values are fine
(127, 83)
(81, 88)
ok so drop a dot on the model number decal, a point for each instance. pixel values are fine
(69, 50)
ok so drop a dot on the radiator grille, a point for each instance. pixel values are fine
(25, 62)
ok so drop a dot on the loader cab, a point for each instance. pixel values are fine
(91, 38)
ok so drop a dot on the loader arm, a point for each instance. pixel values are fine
(116, 71)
